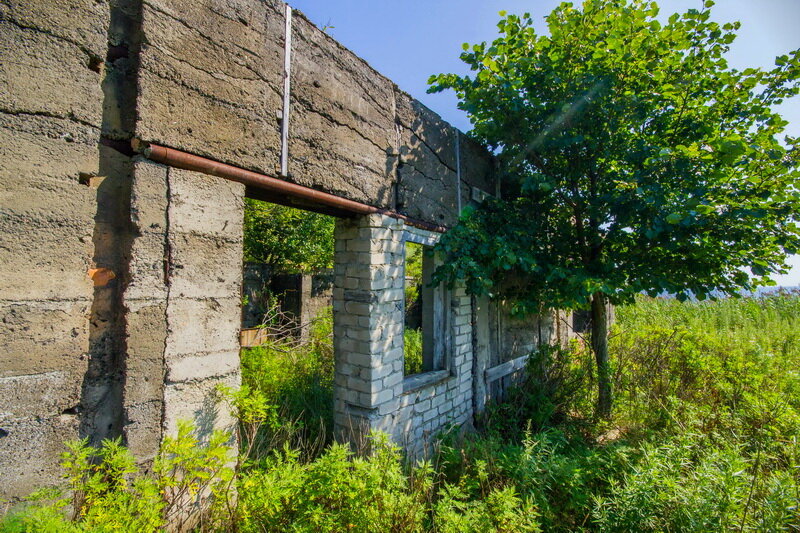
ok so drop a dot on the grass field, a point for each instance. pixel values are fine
(705, 437)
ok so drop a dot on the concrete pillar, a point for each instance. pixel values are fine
(368, 325)
(182, 304)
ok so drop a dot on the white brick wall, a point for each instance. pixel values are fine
(368, 342)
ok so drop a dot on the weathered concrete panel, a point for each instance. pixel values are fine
(217, 319)
(342, 128)
(51, 111)
(427, 184)
(41, 395)
(42, 147)
(199, 402)
(203, 313)
(145, 302)
(81, 22)
(44, 259)
(45, 75)
(201, 366)
(146, 270)
(204, 267)
(42, 337)
(211, 84)
(209, 79)
(205, 205)
(30, 451)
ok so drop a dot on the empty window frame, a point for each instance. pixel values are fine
(425, 332)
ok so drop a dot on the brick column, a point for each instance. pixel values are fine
(368, 325)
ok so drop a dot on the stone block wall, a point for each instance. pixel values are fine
(367, 323)
(54, 224)
(440, 401)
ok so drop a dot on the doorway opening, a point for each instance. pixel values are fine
(287, 326)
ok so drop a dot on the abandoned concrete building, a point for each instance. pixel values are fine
(130, 133)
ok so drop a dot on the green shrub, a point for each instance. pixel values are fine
(706, 421)
(291, 240)
(555, 386)
(557, 470)
(705, 438)
(336, 492)
(110, 494)
(501, 510)
(684, 485)
(294, 381)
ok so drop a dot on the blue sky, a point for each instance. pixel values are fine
(409, 40)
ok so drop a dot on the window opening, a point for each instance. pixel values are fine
(424, 336)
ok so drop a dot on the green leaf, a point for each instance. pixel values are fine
(631, 156)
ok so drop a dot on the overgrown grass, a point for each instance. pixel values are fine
(296, 381)
(705, 437)
(705, 433)
(412, 351)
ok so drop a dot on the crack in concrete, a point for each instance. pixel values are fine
(338, 60)
(324, 114)
(50, 33)
(203, 35)
(48, 114)
(426, 176)
(424, 143)
(168, 296)
(216, 75)
(203, 94)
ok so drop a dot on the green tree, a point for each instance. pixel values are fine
(292, 240)
(633, 159)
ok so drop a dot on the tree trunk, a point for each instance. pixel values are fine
(600, 349)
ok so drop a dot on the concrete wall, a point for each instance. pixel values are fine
(211, 84)
(120, 278)
(181, 303)
(57, 329)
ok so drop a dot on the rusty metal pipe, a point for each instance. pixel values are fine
(187, 161)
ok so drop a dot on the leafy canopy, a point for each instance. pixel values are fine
(291, 240)
(633, 159)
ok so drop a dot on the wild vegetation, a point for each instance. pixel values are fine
(706, 437)
(651, 165)
(412, 333)
(291, 240)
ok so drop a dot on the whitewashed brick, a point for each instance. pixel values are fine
(359, 384)
(393, 379)
(357, 308)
